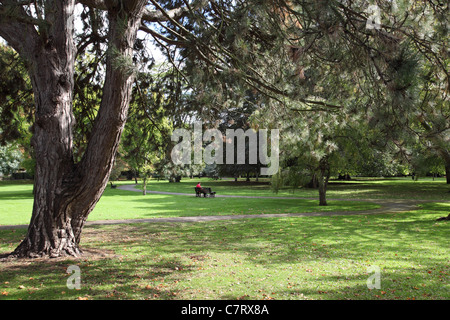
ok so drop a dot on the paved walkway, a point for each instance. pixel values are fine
(387, 206)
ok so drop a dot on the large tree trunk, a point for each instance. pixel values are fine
(444, 218)
(445, 154)
(439, 143)
(324, 176)
(51, 71)
(447, 172)
(65, 192)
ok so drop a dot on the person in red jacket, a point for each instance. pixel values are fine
(199, 190)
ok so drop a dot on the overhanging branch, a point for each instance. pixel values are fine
(155, 34)
(16, 13)
(21, 36)
(149, 15)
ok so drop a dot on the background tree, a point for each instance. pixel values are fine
(16, 113)
(10, 159)
(148, 129)
(334, 59)
(16, 97)
(236, 116)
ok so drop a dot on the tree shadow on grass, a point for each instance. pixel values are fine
(389, 284)
(147, 256)
(103, 275)
(16, 195)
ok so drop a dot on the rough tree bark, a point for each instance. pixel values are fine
(447, 172)
(444, 152)
(439, 143)
(324, 176)
(444, 218)
(65, 192)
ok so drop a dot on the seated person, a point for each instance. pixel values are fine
(199, 190)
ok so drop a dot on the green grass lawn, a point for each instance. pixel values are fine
(280, 258)
(316, 257)
(17, 202)
(358, 188)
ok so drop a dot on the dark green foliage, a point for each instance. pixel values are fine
(16, 97)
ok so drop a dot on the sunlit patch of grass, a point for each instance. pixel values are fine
(373, 188)
(17, 201)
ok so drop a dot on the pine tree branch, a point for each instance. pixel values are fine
(157, 35)
(158, 15)
(15, 12)
(19, 3)
(18, 31)
(184, 39)
(171, 60)
(162, 15)
(95, 4)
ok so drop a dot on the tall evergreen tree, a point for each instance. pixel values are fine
(67, 189)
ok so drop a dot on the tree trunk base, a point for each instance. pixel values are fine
(62, 242)
(444, 218)
(25, 251)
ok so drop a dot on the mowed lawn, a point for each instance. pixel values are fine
(357, 188)
(278, 258)
(288, 258)
(16, 199)
(16, 202)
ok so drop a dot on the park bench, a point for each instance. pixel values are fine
(207, 192)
